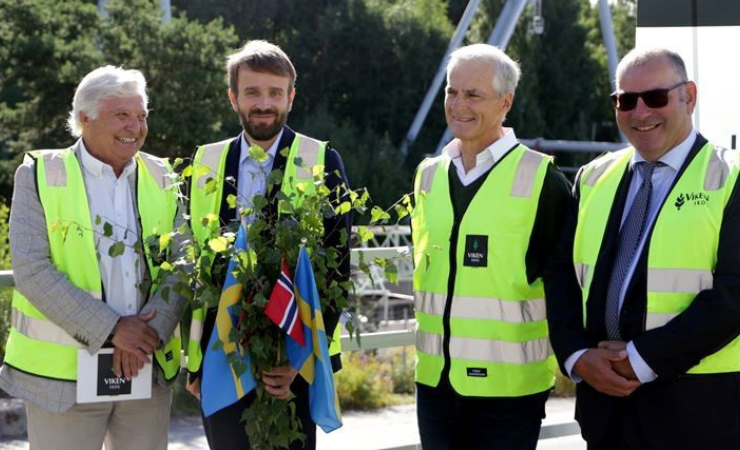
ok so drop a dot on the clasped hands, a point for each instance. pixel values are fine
(607, 369)
(134, 341)
(277, 382)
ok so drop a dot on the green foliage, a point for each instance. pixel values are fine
(5, 294)
(564, 386)
(47, 46)
(183, 62)
(371, 380)
(370, 160)
(4, 231)
(364, 382)
(403, 361)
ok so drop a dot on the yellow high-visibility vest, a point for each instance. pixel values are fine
(35, 344)
(678, 266)
(213, 156)
(498, 336)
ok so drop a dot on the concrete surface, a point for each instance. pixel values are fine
(390, 427)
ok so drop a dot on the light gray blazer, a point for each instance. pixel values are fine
(88, 320)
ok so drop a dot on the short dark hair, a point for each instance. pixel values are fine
(260, 56)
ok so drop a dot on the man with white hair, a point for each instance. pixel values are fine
(488, 214)
(84, 277)
(653, 335)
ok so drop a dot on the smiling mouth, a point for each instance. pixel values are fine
(647, 127)
(463, 119)
(125, 140)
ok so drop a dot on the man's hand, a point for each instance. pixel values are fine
(126, 363)
(194, 387)
(623, 367)
(278, 379)
(595, 366)
(136, 337)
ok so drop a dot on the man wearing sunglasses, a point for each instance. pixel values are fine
(653, 338)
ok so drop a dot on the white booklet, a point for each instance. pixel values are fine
(96, 381)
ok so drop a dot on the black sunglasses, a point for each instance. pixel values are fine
(656, 98)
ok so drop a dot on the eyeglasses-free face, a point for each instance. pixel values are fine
(654, 98)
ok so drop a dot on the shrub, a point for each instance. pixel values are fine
(402, 369)
(5, 294)
(364, 382)
(564, 386)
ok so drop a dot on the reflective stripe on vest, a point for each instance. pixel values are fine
(485, 350)
(37, 345)
(213, 156)
(466, 307)
(678, 268)
(498, 331)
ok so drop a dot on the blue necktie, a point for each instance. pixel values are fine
(630, 236)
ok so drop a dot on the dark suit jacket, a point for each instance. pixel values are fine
(336, 176)
(677, 410)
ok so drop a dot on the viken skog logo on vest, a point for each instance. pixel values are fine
(476, 251)
(691, 198)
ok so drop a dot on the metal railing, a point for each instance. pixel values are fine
(389, 339)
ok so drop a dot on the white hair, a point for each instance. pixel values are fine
(100, 84)
(506, 71)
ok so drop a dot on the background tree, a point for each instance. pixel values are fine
(363, 69)
(46, 47)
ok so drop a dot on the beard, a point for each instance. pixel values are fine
(263, 132)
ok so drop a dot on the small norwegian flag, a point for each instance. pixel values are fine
(282, 307)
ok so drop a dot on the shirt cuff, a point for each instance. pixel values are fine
(644, 373)
(570, 362)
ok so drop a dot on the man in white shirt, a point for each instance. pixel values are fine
(488, 213)
(83, 279)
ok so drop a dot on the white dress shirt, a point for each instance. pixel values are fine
(484, 160)
(111, 199)
(662, 180)
(253, 175)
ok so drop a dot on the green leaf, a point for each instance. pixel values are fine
(258, 154)
(218, 244)
(97, 219)
(165, 293)
(107, 229)
(116, 249)
(391, 272)
(187, 172)
(275, 177)
(343, 208)
(317, 171)
(231, 200)
(202, 171)
(211, 186)
(364, 234)
(402, 211)
(377, 214)
(217, 345)
(167, 267)
(259, 202)
(164, 241)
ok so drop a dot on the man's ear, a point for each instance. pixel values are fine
(83, 118)
(232, 99)
(508, 102)
(291, 97)
(690, 92)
